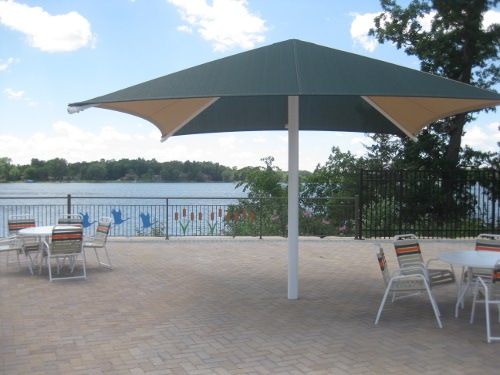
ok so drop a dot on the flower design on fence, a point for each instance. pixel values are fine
(184, 225)
(184, 218)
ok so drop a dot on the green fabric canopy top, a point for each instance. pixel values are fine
(339, 91)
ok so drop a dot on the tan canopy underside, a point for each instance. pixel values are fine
(416, 113)
(169, 115)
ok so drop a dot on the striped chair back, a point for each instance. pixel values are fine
(488, 242)
(407, 249)
(495, 283)
(18, 222)
(70, 219)
(495, 277)
(382, 263)
(67, 239)
(102, 230)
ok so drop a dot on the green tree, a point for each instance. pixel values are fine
(96, 172)
(30, 173)
(457, 46)
(262, 184)
(57, 168)
(5, 166)
(338, 177)
(171, 171)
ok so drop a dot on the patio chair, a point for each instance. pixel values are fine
(15, 223)
(484, 242)
(409, 281)
(11, 244)
(489, 294)
(31, 249)
(67, 243)
(99, 240)
(409, 253)
(70, 219)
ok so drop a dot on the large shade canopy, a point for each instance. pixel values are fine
(290, 83)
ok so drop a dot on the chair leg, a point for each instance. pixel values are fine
(473, 310)
(29, 261)
(487, 311)
(434, 305)
(107, 265)
(10, 262)
(49, 267)
(18, 261)
(387, 290)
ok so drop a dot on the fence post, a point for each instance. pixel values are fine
(493, 197)
(260, 218)
(166, 219)
(359, 223)
(401, 192)
(68, 207)
(357, 218)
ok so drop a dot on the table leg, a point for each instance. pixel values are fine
(463, 290)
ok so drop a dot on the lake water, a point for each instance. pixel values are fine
(161, 190)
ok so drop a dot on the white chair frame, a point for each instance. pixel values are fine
(483, 294)
(409, 279)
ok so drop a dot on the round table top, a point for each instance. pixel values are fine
(42, 230)
(471, 258)
(38, 231)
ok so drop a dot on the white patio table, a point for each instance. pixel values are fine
(470, 259)
(43, 233)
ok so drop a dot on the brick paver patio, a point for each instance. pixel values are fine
(219, 306)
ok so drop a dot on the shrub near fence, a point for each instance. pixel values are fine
(166, 217)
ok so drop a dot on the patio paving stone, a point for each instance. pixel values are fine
(210, 305)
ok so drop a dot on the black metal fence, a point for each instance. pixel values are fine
(198, 216)
(431, 204)
(455, 204)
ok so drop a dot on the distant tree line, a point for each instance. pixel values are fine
(58, 170)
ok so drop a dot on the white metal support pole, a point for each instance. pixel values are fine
(293, 197)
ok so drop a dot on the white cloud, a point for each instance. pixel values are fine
(360, 26)
(259, 139)
(483, 139)
(44, 31)
(224, 23)
(491, 17)
(185, 29)
(15, 95)
(228, 141)
(5, 65)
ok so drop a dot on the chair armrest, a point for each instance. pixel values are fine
(412, 264)
(480, 280)
(410, 271)
(448, 266)
(12, 241)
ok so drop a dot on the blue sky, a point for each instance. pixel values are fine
(56, 52)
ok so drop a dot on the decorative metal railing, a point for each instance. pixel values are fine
(171, 216)
(457, 203)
